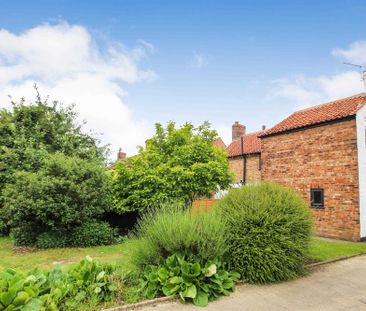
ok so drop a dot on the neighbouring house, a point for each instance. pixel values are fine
(321, 153)
(244, 153)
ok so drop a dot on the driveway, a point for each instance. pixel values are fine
(336, 286)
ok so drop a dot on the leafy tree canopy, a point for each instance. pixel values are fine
(177, 164)
(28, 132)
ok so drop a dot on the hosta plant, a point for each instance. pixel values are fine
(20, 291)
(192, 281)
(87, 283)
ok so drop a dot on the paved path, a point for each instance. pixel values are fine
(337, 286)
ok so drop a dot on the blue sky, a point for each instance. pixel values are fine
(221, 61)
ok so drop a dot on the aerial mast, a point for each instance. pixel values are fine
(363, 72)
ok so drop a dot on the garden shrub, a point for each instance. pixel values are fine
(29, 131)
(269, 229)
(24, 235)
(64, 194)
(93, 233)
(191, 280)
(174, 228)
(87, 283)
(51, 239)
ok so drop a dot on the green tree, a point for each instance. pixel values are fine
(177, 164)
(29, 132)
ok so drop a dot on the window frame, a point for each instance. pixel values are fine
(312, 195)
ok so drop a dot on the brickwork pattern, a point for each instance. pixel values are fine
(320, 157)
(253, 173)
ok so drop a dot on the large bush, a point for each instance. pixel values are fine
(29, 132)
(174, 229)
(269, 230)
(64, 194)
(177, 164)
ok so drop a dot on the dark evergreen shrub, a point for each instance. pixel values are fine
(52, 239)
(93, 233)
(63, 195)
(24, 235)
(269, 229)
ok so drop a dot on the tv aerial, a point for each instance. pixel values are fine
(362, 70)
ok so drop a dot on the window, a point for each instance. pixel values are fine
(317, 198)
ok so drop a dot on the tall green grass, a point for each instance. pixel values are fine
(172, 229)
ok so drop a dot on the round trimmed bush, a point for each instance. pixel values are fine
(269, 230)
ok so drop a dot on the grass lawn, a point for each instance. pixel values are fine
(321, 249)
(22, 258)
(25, 259)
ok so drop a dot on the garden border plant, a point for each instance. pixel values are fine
(175, 250)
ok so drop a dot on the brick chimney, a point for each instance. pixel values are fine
(121, 156)
(237, 130)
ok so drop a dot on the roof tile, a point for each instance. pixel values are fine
(334, 110)
(251, 145)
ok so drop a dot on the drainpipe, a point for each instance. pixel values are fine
(244, 161)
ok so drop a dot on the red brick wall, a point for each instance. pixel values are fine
(203, 204)
(253, 173)
(322, 157)
(236, 166)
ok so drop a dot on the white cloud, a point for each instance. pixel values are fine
(306, 91)
(199, 60)
(356, 53)
(68, 65)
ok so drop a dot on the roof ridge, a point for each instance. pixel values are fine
(252, 133)
(331, 102)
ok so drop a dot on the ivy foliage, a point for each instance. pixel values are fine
(176, 164)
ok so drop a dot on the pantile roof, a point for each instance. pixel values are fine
(334, 110)
(251, 145)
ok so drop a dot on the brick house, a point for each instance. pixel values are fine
(244, 154)
(321, 153)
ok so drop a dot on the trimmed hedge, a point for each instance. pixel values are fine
(269, 230)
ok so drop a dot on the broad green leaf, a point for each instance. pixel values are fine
(176, 280)
(7, 297)
(211, 270)
(100, 275)
(201, 299)
(33, 305)
(190, 292)
(196, 269)
(163, 274)
(170, 289)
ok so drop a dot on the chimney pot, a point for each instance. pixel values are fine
(263, 127)
(238, 130)
(121, 156)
